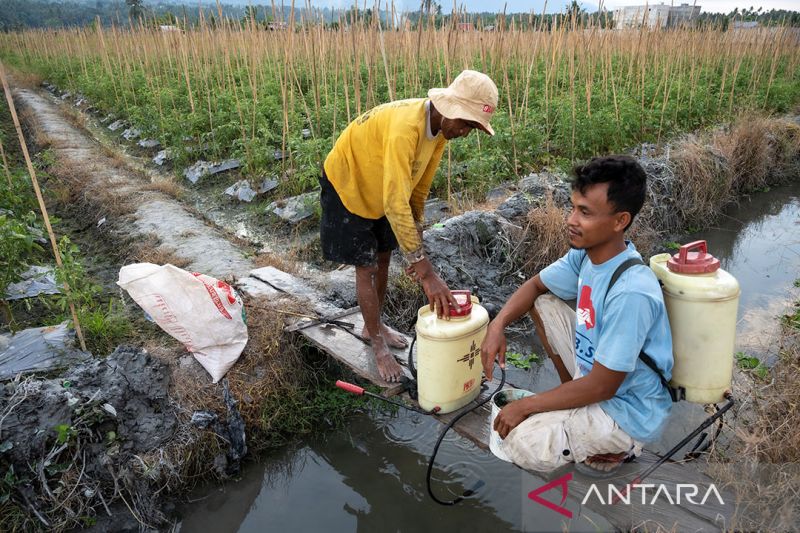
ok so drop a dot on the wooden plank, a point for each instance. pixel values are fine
(352, 352)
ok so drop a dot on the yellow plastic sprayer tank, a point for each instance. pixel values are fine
(702, 300)
(449, 354)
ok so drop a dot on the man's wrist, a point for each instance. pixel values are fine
(529, 405)
(498, 324)
(414, 256)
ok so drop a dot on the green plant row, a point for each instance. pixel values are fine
(235, 107)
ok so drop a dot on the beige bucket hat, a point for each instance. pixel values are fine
(471, 96)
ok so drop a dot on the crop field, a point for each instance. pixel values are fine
(566, 92)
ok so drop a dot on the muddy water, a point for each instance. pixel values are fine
(371, 475)
(759, 243)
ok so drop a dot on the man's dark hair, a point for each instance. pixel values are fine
(627, 181)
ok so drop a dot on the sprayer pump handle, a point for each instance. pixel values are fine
(349, 387)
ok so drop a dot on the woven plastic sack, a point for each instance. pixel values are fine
(203, 313)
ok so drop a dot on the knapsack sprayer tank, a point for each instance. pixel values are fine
(449, 354)
(701, 300)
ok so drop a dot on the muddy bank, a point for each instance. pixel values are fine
(71, 442)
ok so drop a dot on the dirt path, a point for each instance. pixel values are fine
(205, 248)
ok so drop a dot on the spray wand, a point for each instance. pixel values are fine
(360, 391)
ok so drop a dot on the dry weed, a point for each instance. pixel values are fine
(786, 140)
(749, 152)
(166, 186)
(763, 464)
(704, 181)
(74, 117)
(150, 250)
(269, 369)
(403, 299)
(543, 239)
(33, 128)
(284, 263)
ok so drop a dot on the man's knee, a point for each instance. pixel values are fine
(384, 258)
(367, 272)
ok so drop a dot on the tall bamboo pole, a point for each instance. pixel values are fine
(40, 199)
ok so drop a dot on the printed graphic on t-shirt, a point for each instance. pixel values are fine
(585, 309)
(584, 350)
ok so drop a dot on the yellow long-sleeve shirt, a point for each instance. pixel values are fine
(383, 163)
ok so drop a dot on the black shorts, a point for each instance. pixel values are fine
(348, 238)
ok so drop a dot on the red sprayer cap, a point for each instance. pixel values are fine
(699, 262)
(464, 300)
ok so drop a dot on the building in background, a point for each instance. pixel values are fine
(656, 16)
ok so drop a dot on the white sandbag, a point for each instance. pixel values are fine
(203, 313)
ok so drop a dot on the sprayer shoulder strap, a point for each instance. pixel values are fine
(675, 394)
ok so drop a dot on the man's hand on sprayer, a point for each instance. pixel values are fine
(439, 296)
(493, 347)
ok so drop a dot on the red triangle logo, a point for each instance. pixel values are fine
(560, 482)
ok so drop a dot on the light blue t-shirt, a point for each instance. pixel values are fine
(613, 330)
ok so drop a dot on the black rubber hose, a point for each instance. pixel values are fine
(411, 366)
(447, 428)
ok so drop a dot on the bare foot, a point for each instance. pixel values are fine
(389, 369)
(606, 462)
(393, 338)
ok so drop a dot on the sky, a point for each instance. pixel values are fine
(713, 6)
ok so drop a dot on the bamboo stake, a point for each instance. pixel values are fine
(40, 199)
(5, 164)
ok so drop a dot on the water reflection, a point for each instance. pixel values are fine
(358, 480)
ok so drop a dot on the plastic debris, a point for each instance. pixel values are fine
(117, 125)
(306, 133)
(203, 419)
(106, 119)
(242, 191)
(204, 168)
(101, 222)
(267, 185)
(231, 431)
(279, 155)
(149, 143)
(296, 208)
(162, 157)
(36, 280)
(38, 349)
(131, 133)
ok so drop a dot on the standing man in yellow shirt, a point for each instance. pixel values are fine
(374, 186)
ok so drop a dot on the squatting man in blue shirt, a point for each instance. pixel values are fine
(609, 401)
